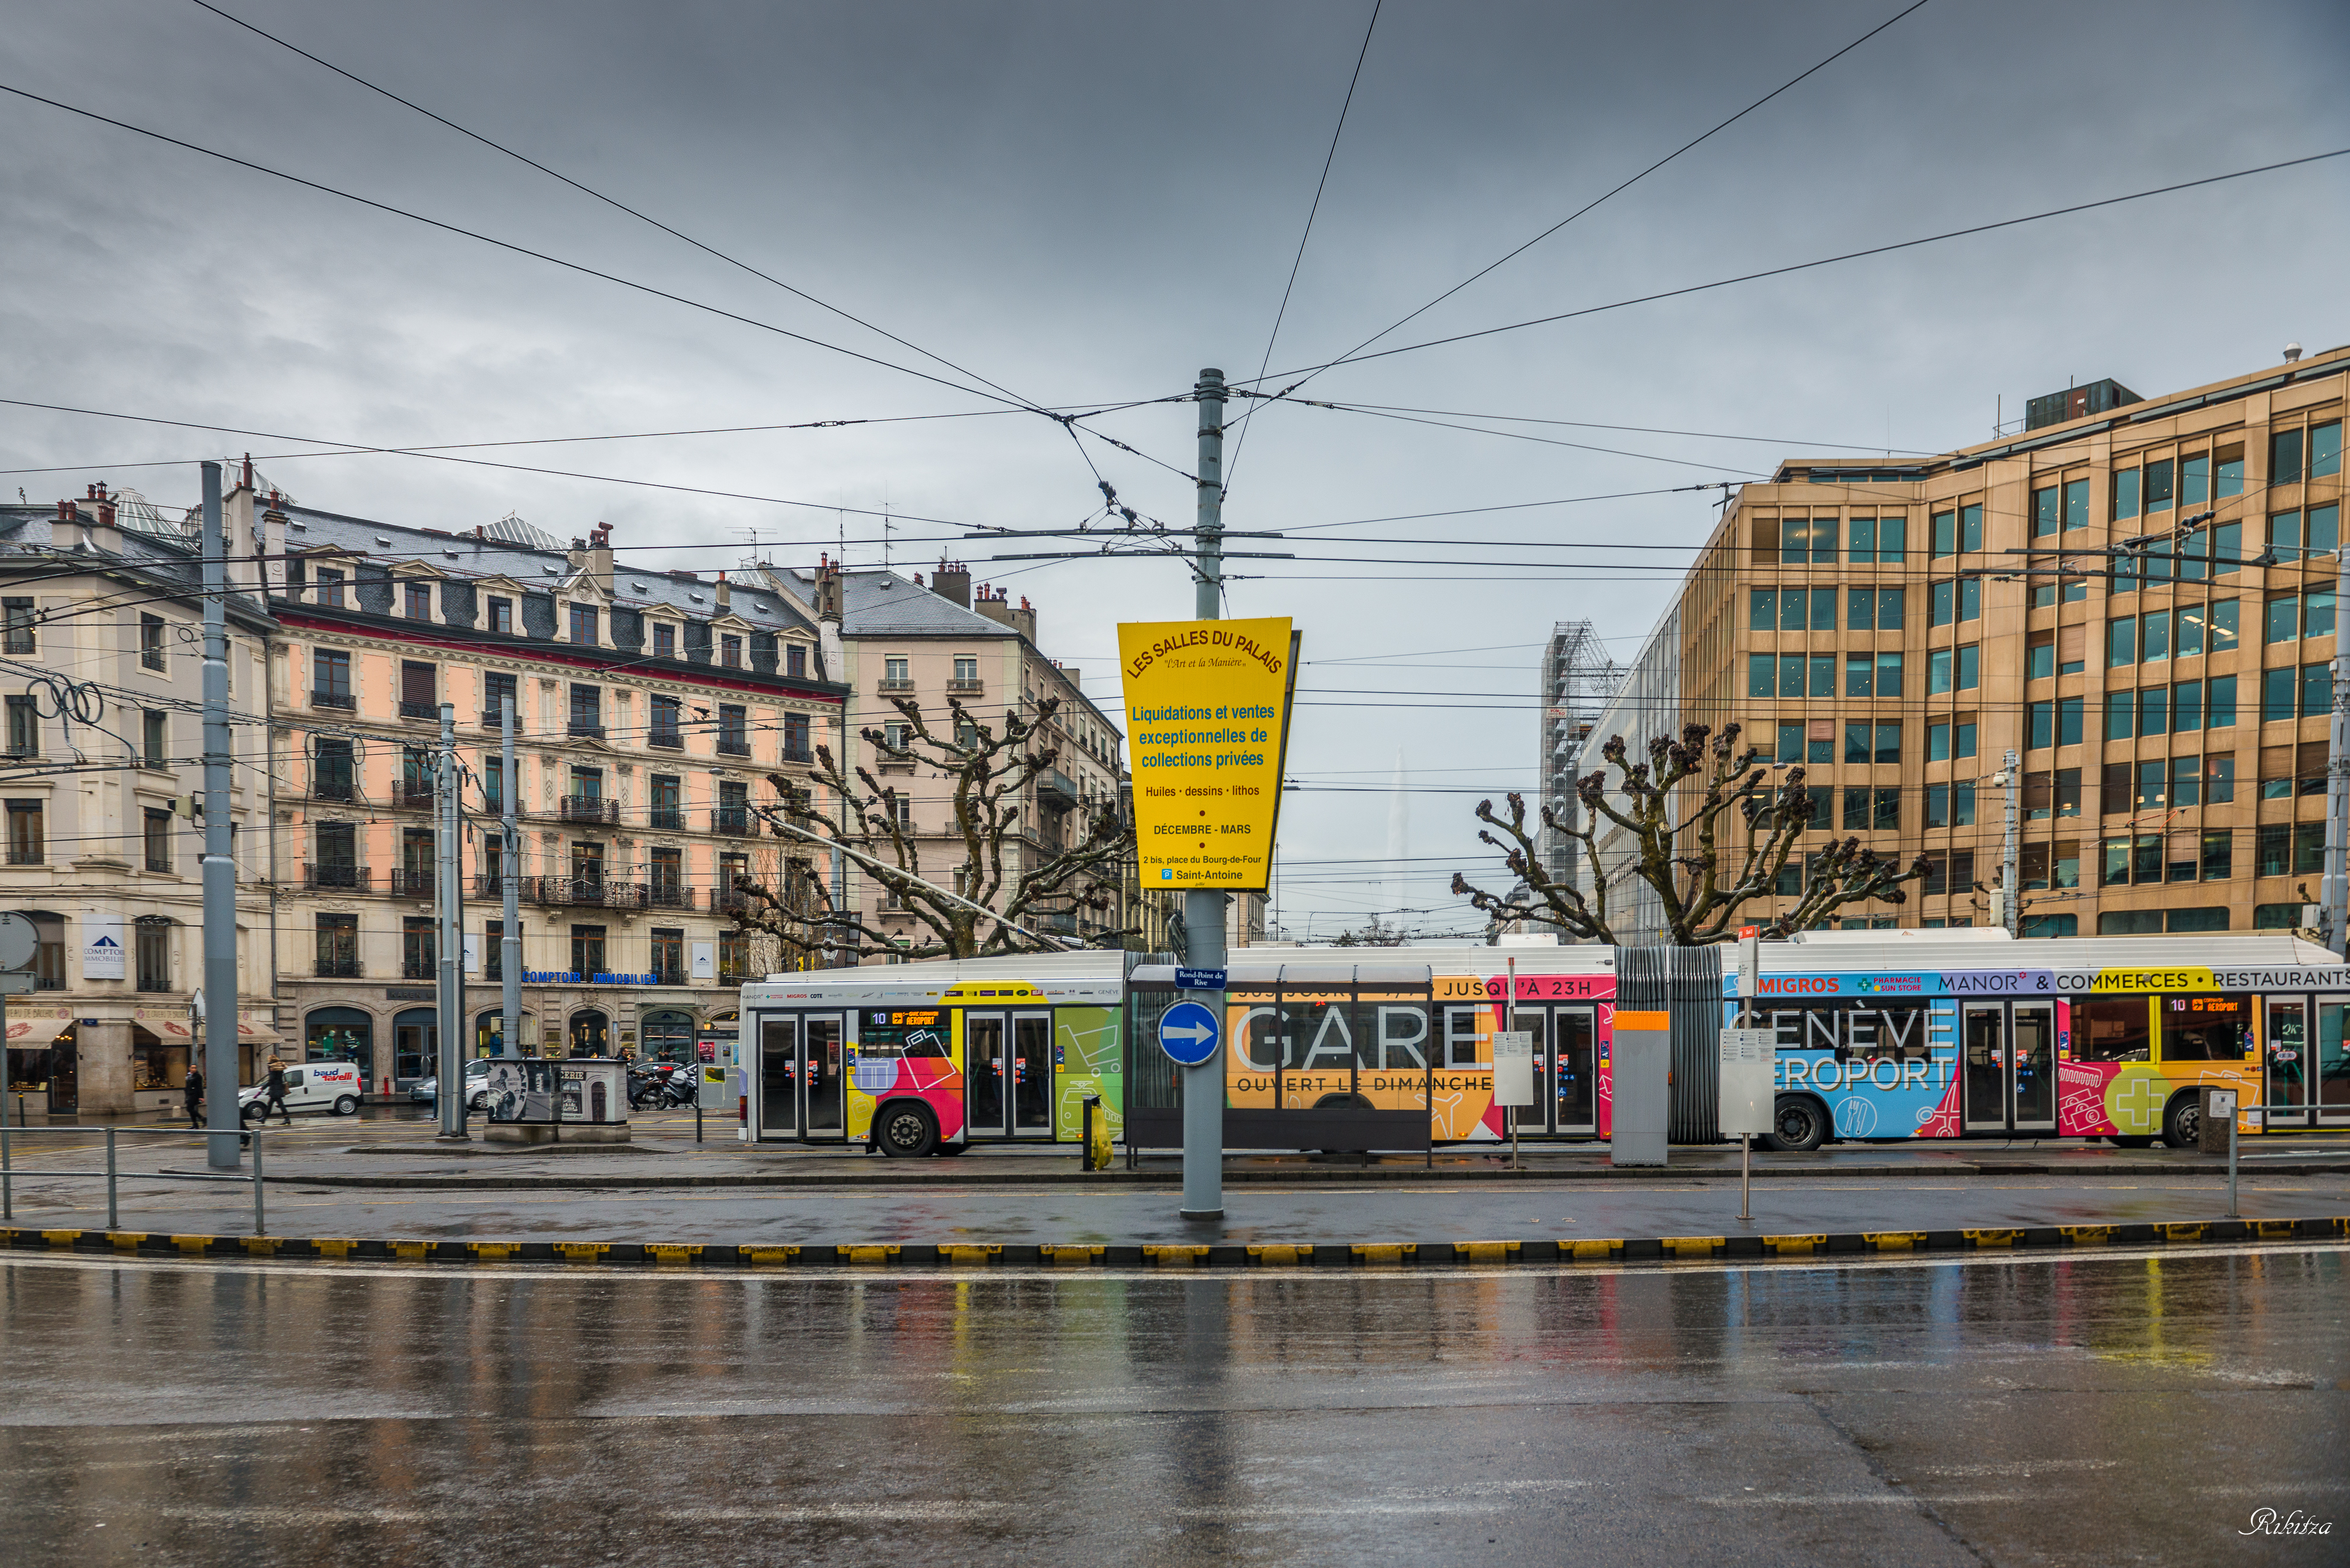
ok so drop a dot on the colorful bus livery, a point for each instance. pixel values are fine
(1879, 1036)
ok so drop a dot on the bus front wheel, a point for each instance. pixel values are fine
(905, 1131)
(2182, 1123)
(1797, 1125)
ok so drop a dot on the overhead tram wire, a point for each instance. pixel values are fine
(1783, 442)
(1483, 271)
(612, 201)
(1312, 212)
(1833, 260)
(1068, 421)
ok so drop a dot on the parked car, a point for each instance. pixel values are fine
(334, 1087)
(477, 1076)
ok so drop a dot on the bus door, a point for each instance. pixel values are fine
(1567, 1069)
(2286, 1037)
(2329, 1070)
(1984, 1033)
(800, 1075)
(2031, 1077)
(1007, 1073)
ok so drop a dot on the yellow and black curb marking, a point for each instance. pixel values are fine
(1387, 1254)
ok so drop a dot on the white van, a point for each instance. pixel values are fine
(330, 1086)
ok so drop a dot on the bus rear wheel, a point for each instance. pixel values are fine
(905, 1131)
(1797, 1125)
(2182, 1123)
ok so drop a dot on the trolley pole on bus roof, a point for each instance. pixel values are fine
(1204, 909)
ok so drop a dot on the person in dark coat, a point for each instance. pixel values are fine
(276, 1093)
(193, 1091)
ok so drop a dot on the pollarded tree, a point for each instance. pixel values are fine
(1702, 882)
(988, 772)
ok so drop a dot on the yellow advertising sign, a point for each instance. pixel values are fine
(1207, 715)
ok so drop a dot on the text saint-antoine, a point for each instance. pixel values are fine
(1206, 637)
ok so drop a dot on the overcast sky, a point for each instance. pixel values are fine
(1086, 204)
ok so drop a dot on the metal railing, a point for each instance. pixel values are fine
(733, 746)
(357, 878)
(333, 700)
(659, 895)
(672, 817)
(589, 808)
(582, 729)
(339, 968)
(735, 821)
(492, 719)
(412, 883)
(251, 1135)
(668, 740)
(419, 709)
(412, 794)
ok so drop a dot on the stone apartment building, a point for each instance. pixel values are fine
(941, 638)
(650, 707)
(2136, 596)
(101, 658)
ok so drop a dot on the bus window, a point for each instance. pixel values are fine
(2206, 1028)
(2110, 1029)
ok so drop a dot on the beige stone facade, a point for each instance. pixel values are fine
(1895, 628)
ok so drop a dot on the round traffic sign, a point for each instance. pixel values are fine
(1189, 1033)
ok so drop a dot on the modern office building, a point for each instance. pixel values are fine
(2135, 596)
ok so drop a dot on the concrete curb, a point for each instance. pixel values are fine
(1547, 1252)
(900, 1175)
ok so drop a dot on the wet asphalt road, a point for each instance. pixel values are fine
(2115, 1409)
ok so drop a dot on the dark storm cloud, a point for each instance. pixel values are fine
(1091, 203)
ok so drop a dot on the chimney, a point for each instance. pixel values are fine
(830, 652)
(272, 550)
(725, 595)
(244, 540)
(953, 582)
(1025, 617)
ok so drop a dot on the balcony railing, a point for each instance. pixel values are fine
(419, 709)
(669, 818)
(896, 688)
(333, 700)
(735, 821)
(407, 883)
(798, 754)
(668, 740)
(329, 877)
(413, 970)
(732, 973)
(729, 900)
(591, 892)
(413, 794)
(590, 808)
(669, 975)
(669, 895)
(339, 968)
(581, 730)
(733, 746)
(494, 721)
(330, 789)
(966, 687)
(486, 887)
(1053, 788)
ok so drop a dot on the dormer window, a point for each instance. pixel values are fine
(664, 640)
(796, 660)
(419, 601)
(501, 614)
(729, 652)
(583, 624)
(330, 588)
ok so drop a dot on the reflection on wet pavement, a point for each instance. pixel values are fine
(2019, 1410)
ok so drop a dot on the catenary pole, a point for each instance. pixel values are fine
(2012, 910)
(220, 1076)
(1204, 909)
(510, 890)
(449, 906)
(2333, 890)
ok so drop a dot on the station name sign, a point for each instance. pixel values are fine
(1207, 713)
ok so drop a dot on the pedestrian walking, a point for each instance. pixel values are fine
(193, 1090)
(276, 1093)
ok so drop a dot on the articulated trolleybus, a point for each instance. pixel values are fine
(1881, 1035)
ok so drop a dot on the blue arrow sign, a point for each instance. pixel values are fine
(1189, 1033)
